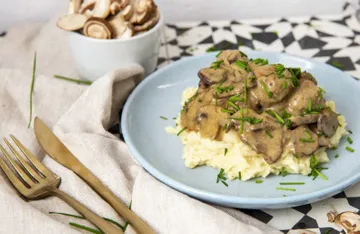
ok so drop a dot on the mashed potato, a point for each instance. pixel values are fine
(240, 157)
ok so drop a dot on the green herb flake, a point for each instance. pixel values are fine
(243, 55)
(350, 131)
(211, 49)
(337, 155)
(233, 105)
(245, 91)
(215, 65)
(227, 111)
(269, 93)
(85, 82)
(283, 172)
(261, 61)
(292, 183)
(239, 175)
(242, 64)
(218, 54)
(32, 89)
(221, 177)
(241, 122)
(328, 231)
(305, 140)
(284, 84)
(321, 92)
(178, 134)
(316, 168)
(268, 134)
(286, 189)
(221, 90)
(348, 148)
(189, 100)
(258, 181)
(252, 78)
(86, 228)
(225, 151)
(224, 183)
(349, 140)
(163, 117)
(174, 118)
(279, 69)
(337, 64)
(236, 98)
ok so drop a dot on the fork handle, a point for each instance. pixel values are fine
(88, 214)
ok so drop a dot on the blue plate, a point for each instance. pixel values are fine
(161, 154)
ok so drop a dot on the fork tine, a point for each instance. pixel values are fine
(17, 183)
(25, 164)
(17, 168)
(32, 158)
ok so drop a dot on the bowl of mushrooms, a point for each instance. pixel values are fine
(104, 35)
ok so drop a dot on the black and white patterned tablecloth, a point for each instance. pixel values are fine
(324, 38)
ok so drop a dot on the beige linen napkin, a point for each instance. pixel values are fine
(80, 116)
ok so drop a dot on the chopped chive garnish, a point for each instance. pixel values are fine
(337, 64)
(218, 54)
(163, 117)
(310, 105)
(306, 140)
(320, 174)
(216, 64)
(340, 125)
(189, 100)
(279, 118)
(258, 181)
(269, 93)
(307, 133)
(242, 65)
(225, 151)
(337, 155)
(85, 82)
(321, 92)
(283, 172)
(245, 91)
(220, 89)
(268, 134)
(279, 69)
(233, 105)
(260, 61)
(224, 183)
(86, 228)
(350, 140)
(241, 122)
(292, 183)
(227, 111)
(239, 175)
(348, 148)
(286, 189)
(350, 131)
(174, 118)
(284, 84)
(221, 177)
(211, 49)
(334, 148)
(236, 98)
(181, 131)
(252, 78)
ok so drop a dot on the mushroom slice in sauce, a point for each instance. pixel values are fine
(303, 120)
(230, 56)
(307, 76)
(303, 95)
(72, 22)
(212, 76)
(209, 118)
(98, 28)
(328, 122)
(267, 142)
(305, 142)
(270, 88)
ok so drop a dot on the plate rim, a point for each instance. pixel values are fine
(218, 198)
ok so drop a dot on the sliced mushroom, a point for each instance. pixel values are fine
(115, 8)
(72, 22)
(149, 24)
(328, 122)
(209, 118)
(304, 140)
(348, 221)
(230, 56)
(268, 142)
(142, 9)
(212, 76)
(101, 9)
(307, 76)
(122, 3)
(74, 6)
(126, 12)
(98, 28)
(87, 7)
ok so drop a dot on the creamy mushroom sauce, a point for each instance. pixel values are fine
(270, 106)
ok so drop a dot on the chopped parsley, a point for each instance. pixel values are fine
(292, 183)
(348, 148)
(260, 61)
(225, 151)
(242, 64)
(221, 177)
(163, 117)
(268, 92)
(268, 134)
(350, 140)
(258, 181)
(216, 64)
(316, 168)
(181, 131)
(286, 189)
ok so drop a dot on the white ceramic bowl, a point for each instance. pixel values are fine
(95, 57)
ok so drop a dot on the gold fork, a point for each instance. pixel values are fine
(34, 181)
